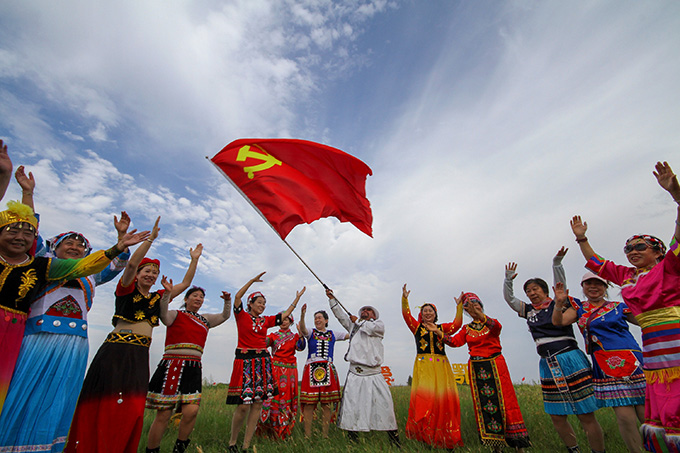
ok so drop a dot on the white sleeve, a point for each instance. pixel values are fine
(339, 313)
(509, 294)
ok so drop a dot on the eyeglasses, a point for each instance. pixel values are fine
(639, 247)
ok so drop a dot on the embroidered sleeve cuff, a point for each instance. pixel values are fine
(595, 263)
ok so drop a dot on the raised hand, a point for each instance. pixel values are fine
(123, 224)
(131, 238)
(405, 292)
(155, 230)
(578, 226)
(303, 310)
(561, 295)
(511, 271)
(459, 299)
(258, 277)
(196, 252)
(298, 294)
(561, 252)
(167, 284)
(667, 179)
(27, 183)
(5, 162)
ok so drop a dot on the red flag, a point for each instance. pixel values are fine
(296, 181)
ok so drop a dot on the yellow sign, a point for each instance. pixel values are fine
(460, 372)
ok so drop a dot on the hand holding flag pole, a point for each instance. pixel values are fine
(289, 182)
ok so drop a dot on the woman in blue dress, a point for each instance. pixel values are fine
(618, 379)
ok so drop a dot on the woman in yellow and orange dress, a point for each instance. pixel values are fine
(434, 408)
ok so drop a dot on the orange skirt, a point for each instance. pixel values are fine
(434, 408)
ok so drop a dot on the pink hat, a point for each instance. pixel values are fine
(590, 276)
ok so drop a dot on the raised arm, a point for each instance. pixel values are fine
(5, 169)
(218, 318)
(302, 328)
(298, 295)
(563, 313)
(195, 254)
(508, 291)
(167, 316)
(241, 292)
(343, 318)
(27, 184)
(452, 327)
(558, 270)
(131, 268)
(667, 179)
(411, 322)
(579, 228)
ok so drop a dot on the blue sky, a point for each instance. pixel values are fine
(487, 126)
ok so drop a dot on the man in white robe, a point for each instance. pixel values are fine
(366, 401)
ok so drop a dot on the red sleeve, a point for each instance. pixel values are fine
(411, 322)
(457, 340)
(494, 326)
(124, 290)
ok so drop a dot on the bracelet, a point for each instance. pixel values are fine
(583, 239)
(148, 240)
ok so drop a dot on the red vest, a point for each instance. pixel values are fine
(189, 331)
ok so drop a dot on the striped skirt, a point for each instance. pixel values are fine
(567, 384)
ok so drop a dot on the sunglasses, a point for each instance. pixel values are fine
(639, 247)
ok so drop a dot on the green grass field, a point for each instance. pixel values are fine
(213, 426)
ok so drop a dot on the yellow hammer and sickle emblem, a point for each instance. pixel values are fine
(268, 161)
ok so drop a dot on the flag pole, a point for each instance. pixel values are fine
(277, 233)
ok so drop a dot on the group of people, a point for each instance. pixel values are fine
(47, 403)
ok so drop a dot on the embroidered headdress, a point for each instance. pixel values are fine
(17, 213)
(54, 242)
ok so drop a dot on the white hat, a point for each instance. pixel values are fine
(370, 307)
(590, 276)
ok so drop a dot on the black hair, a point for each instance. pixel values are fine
(324, 314)
(427, 304)
(193, 290)
(540, 282)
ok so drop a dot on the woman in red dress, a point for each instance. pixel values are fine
(252, 379)
(279, 412)
(499, 419)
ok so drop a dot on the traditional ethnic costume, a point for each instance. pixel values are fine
(278, 415)
(252, 377)
(19, 286)
(110, 413)
(319, 378)
(178, 378)
(499, 419)
(51, 365)
(434, 407)
(653, 296)
(566, 377)
(366, 401)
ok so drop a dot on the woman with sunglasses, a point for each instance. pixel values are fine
(252, 378)
(499, 420)
(651, 289)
